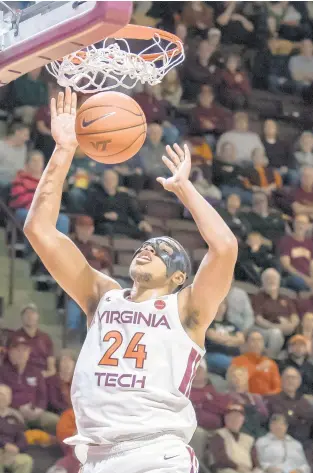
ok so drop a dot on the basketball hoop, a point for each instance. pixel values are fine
(114, 62)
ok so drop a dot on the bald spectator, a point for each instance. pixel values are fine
(115, 212)
(303, 195)
(278, 451)
(296, 256)
(245, 141)
(297, 357)
(59, 385)
(41, 354)
(263, 372)
(301, 66)
(276, 150)
(230, 449)
(28, 386)
(275, 314)
(269, 223)
(208, 117)
(304, 155)
(209, 404)
(151, 152)
(12, 438)
(256, 412)
(240, 311)
(297, 410)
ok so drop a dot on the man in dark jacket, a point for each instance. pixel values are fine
(115, 212)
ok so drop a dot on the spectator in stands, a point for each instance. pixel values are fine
(263, 372)
(306, 324)
(301, 67)
(245, 141)
(304, 156)
(59, 385)
(209, 404)
(171, 89)
(278, 451)
(200, 68)
(66, 427)
(41, 355)
(28, 386)
(260, 176)
(13, 153)
(254, 257)
(12, 438)
(151, 152)
(115, 212)
(240, 311)
(223, 342)
(24, 187)
(99, 258)
(204, 187)
(226, 174)
(234, 218)
(156, 110)
(275, 314)
(277, 151)
(269, 223)
(256, 412)
(235, 86)
(298, 358)
(198, 17)
(303, 196)
(295, 407)
(296, 256)
(29, 92)
(286, 22)
(235, 26)
(229, 448)
(43, 138)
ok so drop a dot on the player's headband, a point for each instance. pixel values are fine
(173, 255)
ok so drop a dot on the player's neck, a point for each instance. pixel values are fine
(141, 294)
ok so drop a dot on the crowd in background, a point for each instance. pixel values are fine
(242, 102)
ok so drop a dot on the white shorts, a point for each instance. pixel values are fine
(162, 454)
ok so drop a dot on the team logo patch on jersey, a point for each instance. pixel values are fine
(108, 299)
(159, 305)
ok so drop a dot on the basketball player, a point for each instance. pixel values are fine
(134, 373)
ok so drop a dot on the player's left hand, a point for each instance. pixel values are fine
(179, 163)
(63, 116)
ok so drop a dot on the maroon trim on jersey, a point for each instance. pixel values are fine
(192, 364)
(193, 459)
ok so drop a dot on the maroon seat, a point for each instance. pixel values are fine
(190, 240)
(163, 208)
(124, 249)
(158, 226)
(179, 224)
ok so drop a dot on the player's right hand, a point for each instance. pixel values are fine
(63, 116)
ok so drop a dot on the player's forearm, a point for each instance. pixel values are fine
(46, 203)
(212, 227)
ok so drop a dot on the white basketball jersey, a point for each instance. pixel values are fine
(134, 372)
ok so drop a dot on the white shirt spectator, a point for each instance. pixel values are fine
(240, 312)
(301, 66)
(286, 454)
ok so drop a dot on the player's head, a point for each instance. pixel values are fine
(159, 262)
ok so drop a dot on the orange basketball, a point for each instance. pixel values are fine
(110, 127)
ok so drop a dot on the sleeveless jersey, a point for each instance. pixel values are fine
(134, 373)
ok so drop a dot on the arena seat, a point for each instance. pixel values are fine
(178, 224)
(190, 240)
(165, 207)
(158, 226)
(124, 249)
(288, 293)
(101, 240)
(248, 287)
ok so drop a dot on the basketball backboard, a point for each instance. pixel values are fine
(50, 30)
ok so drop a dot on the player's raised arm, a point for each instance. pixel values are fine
(213, 279)
(61, 257)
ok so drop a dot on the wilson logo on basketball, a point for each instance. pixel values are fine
(159, 305)
(100, 145)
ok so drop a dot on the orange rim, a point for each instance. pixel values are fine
(145, 32)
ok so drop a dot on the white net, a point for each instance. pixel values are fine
(112, 64)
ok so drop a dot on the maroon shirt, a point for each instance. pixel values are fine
(303, 197)
(229, 82)
(221, 119)
(154, 109)
(299, 252)
(23, 189)
(41, 347)
(44, 115)
(272, 309)
(12, 431)
(28, 387)
(209, 406)
(59, 398)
